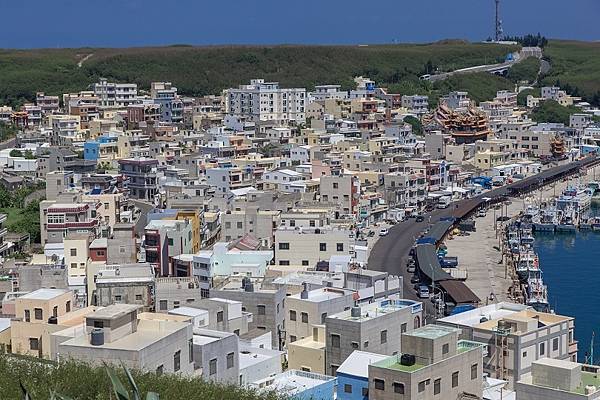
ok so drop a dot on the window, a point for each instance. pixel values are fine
(284, 246)
(366, 344)
(347, 388)
(27, 316)
(220, 316)
(398, 387)
(292, 338)
(191, 350)
(262, 309)
(38, 313)
(339, 246)
(322, 246)
(304, 263)
(323, 317)
(55, 311)
(473, 371)
(335, 341)
(227, 225)
(304, 317)
(176, 304)
(555, 344)
(177, 361)
(34, 344)
(160, 369)
(524, 354)
(421, 387)
(542, 349)
(138, 297)
(98, 324)
(292, 315)
(68, 306)
(73, 252)
(163, 305)
(365, 392)
(445, 348)
(118, 297)
(311, 223)
(335, 185)
(292, 222)
(437, 386)
(212, 366)
(229, 360)
(379, 384)
(284, 262)
(170, 241)
(383, 336)
(403, 328)
(455, 379)
(354, 345)
(239, 225)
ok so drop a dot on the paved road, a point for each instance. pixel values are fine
(390, 253)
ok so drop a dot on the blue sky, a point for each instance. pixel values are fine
(123, 23)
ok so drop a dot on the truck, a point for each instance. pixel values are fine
(444, 201)
(483, 181)
(498, 180)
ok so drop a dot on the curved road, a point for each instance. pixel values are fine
(391, 252)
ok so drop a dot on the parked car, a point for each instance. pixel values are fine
(423, 292)
(481, 213)
(414, 279)
(371, 234)
(411, 268)
(384, 232)
(420, 218)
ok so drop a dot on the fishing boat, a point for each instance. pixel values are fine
(527, 235)
(566, 222)
(527, 263)
(537, 295)
(595, 223)
(545, 221)
(595, 187)
(576, 198)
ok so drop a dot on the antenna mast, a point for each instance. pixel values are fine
(498, 26)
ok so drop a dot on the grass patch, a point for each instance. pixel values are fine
(84, 382)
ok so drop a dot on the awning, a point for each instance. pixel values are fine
(429, 264)
(459, 292)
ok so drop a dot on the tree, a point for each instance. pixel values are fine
(417, 127)
(16, 153)
(29, 155)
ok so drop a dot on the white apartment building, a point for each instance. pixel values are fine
(309, 308)
(266, 101)
(516, 336)
(117, 95)
(307, 246)
(416, 103)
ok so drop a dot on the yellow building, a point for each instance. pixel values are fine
(38, 315)
(308, 354)
(195, 218)
(489, 159)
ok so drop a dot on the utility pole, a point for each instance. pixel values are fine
(498, 26)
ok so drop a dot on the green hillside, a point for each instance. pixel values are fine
(576, 67)
(207, 70)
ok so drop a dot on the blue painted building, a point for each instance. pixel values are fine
(299, 385)
(92, 148)
(353, 375)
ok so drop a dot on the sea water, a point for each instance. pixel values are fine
(571, 269)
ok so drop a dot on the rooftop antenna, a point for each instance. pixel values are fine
(498, 28)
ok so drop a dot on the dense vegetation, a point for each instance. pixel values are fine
(575, 67)
(7, 131)
(551, 111)
(83, 382)
(522, 96)
(527, 70)
(208, 70)
(21, 217)
(528, 40)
